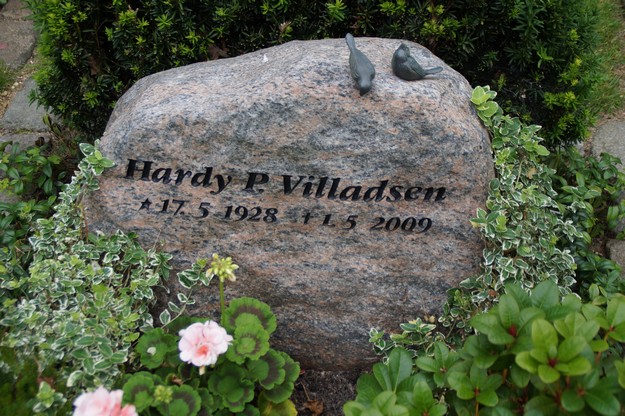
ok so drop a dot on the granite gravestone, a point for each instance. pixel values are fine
(344, 212)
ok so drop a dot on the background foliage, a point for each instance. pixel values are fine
(541, 56)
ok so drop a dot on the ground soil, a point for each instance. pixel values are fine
(324, 392)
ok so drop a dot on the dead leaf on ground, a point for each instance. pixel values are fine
(315, 406)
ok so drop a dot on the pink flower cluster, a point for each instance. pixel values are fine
(201, 344)
(102, 403)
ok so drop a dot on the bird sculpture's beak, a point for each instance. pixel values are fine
(364, 88)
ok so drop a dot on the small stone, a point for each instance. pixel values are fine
(616, 252)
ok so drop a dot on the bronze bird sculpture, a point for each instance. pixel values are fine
(361, 68)
(406, 67)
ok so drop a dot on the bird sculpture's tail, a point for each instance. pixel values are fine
(350, 42)
(434, 70)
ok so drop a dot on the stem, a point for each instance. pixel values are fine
(222, 300)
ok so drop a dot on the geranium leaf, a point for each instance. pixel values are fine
(249, 306)
(272, 365)
(138, 390)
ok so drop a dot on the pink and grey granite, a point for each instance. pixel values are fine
(344, 212)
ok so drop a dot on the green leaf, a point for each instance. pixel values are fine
(153, 347)
(422, 397)
(615, 312)
(489, 109)
(185, 401)
(368, 388)
(488, 398)
(86, 341)
(546, 294)
(598, 345)
(284, 390)
(80, 354)
(519, 376)
(437, 410)
(381, 374)
(461, 384)
(353, 408)
(231, 387)
(400, 366)
(508, 310)
(269, 408)
(492, 382)
(483, 322)
(74, 378)
(480, 95)
(252, 306)
(576, 324)
(620, 368)
(541, 150)
(251, 341)
(541, 405)
(164, 317)
(570, 348)
(571, 401)
(138, 390)
(273, 372)
(386, 402)
(618, 332)
(603, 402)
(543, 334)
(578, 366)
(488, 324)
(427, 364)
(548, 374)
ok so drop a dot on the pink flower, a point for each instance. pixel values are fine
(201, 344)
(102, 403)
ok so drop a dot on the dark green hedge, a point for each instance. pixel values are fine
(538, 54)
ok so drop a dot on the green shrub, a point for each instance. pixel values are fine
(31, 177)
(80, 306)
(591, 189)
(526, 232)
(541, 56)
(535, 353)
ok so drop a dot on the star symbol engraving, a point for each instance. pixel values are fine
(145, 204)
